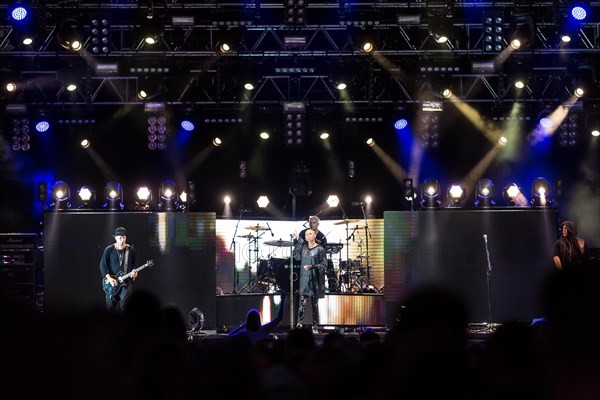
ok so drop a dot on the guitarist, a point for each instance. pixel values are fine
(118, 259)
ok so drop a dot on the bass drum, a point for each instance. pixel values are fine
(283, 276)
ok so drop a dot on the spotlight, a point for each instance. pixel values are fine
(484, 193)
(67, 36)
(262, 201)
(42, 126)
(85, 143)
(113, 194)
(370, 142)
(217, 142)
(61, 194)
(87, 196)
(168, 196)
(18, 12)
(540, 193)
(368, 47)
(143, 196)
(456, 194)
(430, 194)
(578, 11)
(400, 124)
(510, 193)
(187, 125)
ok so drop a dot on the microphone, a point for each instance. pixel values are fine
(358, 203)
(272, 234)
(485, 238)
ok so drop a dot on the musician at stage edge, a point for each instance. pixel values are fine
(117, 259)
(313, 265)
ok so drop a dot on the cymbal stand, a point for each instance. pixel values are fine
(236, 278)
(367, 236)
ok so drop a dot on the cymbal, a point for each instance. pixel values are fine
(346, 221)
(333, 248)
(279, 243)
(248, 236)
(257, 228)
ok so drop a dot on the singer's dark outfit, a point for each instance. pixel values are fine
(113, 262)
(570, 249)
(312, 282)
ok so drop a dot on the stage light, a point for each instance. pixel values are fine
(262, 201)
(100, 34)
(579, 11)
(143, 197)
(196, 320)
(248, 86)
(295, 12)
(522, 30)
(430, 194)
(447, 93)
(85, 143)
(216, 142)
(150, 31)
(368, 47)
(400, 124)
(511, 193)
(456, 194)
(540, 193)
(370, 142)
(493, 27)
(67, 36)
(333, 200)
(168, 196)
(341, 86)
(87, 196)
(42, 126)
(18, 12)
(187, 125)
(113, 195)
(484, 193)
(440, 28)
(61, 193)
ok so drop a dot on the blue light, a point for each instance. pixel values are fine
(18, 13)
(401, 124)
(42, 126)
(187, 125)
(579, 13)
(546, 122)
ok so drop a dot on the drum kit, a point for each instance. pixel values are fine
(353, 276)
(273, 273)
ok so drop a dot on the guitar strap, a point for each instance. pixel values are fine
(126, 259)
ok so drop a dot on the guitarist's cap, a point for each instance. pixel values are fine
(120, 231)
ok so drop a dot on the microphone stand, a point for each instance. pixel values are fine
(368, 234)
(489, 283)
(348, 236)
(233, 243)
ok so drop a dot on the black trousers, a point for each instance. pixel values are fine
(302, 307)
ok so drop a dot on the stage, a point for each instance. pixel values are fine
(199, 262)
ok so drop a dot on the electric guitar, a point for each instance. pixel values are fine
(121, 277)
